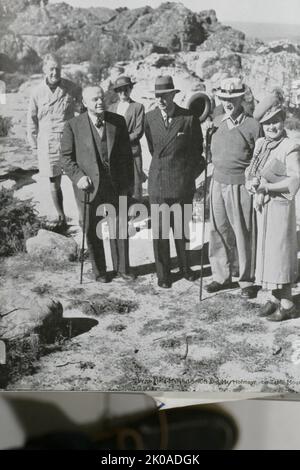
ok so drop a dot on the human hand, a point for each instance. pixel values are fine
(252, 184)
(259, 200)
(85, 183)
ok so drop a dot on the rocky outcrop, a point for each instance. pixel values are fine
(22, 56)
(266, 71)
(279, 46)
(50, 245)
(224, 38)
(171, 26)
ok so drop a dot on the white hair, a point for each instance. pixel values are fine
(51, 57)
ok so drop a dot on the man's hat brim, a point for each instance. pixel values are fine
(161, 92)
(117, 87)
(221, 94)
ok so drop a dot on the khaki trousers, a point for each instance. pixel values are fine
(232, 231)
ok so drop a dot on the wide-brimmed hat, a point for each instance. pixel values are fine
(270, 106)
(164, 84)
(231, 88)
(123, 81)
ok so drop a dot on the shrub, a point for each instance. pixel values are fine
(5, 125)
(19, 221)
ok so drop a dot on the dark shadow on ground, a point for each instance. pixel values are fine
(20, 176)
(194, 257)
(66, 327)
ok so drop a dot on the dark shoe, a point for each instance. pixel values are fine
(164, 284)
(104, 278)
(126, 276)
(188, 274)
(216, 287)
(267, 309)
(199, 427)
(196, 427)
(283, 314)
(249, 292)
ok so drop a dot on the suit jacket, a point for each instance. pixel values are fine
(134, 117)
(79, 153)
(176, 154)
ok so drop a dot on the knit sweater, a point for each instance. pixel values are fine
(232, 150)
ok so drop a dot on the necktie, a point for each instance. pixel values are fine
(99, 122)
(167, 121)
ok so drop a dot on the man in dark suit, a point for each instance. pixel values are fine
(97, 157)
(175, 142)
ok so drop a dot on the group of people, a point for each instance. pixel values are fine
(256, 175)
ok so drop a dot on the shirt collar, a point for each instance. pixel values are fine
(94, 117)
(235, 122)
(52, 87)
(170, 115)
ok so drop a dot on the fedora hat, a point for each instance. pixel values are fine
(123, 81)
(164, 84)
(231, 88)
(270, 106)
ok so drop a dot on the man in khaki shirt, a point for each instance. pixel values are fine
(52, 103)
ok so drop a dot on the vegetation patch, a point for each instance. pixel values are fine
(97, 305)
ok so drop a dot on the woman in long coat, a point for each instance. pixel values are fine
(274, 178)
(134, 115)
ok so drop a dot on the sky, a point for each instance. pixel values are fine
(257, 11)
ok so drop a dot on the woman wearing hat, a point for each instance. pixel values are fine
(274, 179)
(134, 114)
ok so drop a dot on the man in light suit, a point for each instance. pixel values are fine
(96, 155)
(175, 142)
(51, 104)
(134, 115)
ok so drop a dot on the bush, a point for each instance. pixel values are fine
(19, 221)
(5, 125)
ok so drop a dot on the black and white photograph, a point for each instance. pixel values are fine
(149, 196)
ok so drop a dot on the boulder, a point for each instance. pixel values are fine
(7, 184)
(279, 46)
(24, 313)
(52, 245)
(224, 38)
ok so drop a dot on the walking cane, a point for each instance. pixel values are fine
(208, 137)
(86, 201)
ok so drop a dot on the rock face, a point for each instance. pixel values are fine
(21, 55)
(52, 245)
(279, 46)
(224, 38)
(169, 28)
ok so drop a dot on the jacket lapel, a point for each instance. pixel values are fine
(86, 130)
(110, 136)
(174, 127)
